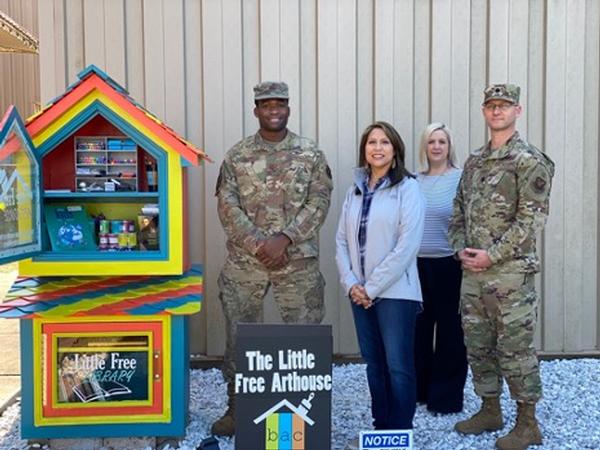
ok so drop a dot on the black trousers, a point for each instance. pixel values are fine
(440, 354)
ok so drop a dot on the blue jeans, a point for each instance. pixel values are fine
(386, 338)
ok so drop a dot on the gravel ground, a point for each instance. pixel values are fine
(569, 414)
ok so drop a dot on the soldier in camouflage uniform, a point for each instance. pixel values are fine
(273, 194)
(501, 203)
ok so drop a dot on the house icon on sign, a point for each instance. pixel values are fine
(284, 425)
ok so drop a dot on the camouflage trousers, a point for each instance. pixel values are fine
(499, 314)
(298, 290)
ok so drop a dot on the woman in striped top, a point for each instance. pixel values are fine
(440, 355)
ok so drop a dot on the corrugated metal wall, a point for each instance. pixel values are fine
(20, 73)
(348, 62)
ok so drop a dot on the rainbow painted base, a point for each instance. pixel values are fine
(104, 357)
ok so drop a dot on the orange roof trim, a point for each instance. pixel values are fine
(92, 78)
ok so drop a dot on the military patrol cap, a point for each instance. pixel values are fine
(508, 92)
(271, 89)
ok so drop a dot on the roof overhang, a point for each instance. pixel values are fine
(14, 38)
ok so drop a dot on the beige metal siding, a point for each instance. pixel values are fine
(193, 63)
(20, 73)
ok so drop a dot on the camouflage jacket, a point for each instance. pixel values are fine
(264, 189)
(502, 202)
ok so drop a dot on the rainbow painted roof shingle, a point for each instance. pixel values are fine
(47, 297)
(94, 85)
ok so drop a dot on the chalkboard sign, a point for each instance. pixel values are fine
(105, 375)
(283, 387)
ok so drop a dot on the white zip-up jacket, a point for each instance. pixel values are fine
(394, 232)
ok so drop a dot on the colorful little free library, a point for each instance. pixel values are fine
(93, 206)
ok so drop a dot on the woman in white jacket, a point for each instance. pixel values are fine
(377, 242)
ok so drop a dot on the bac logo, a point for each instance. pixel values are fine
(386, 440)
(284, 431)
(285, 425)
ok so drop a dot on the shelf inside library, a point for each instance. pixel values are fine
(101, 195)
(107, 158)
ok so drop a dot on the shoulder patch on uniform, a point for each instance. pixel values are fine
(539, 184)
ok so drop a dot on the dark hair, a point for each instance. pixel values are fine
(397, 171)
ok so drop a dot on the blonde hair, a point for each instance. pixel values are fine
(429, 129)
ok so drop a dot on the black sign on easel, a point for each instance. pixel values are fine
(283, 387)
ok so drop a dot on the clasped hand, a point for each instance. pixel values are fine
(272, 251)
(474, 259)
(359, 296)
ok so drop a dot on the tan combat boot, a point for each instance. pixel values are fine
(526, 431)
(353, 445)
(489, 418)
(225, 426)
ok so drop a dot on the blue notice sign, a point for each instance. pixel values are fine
(386, 440)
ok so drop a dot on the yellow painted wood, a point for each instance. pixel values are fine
(187, 309)
(174, 265)
(25, 214)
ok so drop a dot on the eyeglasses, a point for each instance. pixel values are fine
(502, 107)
